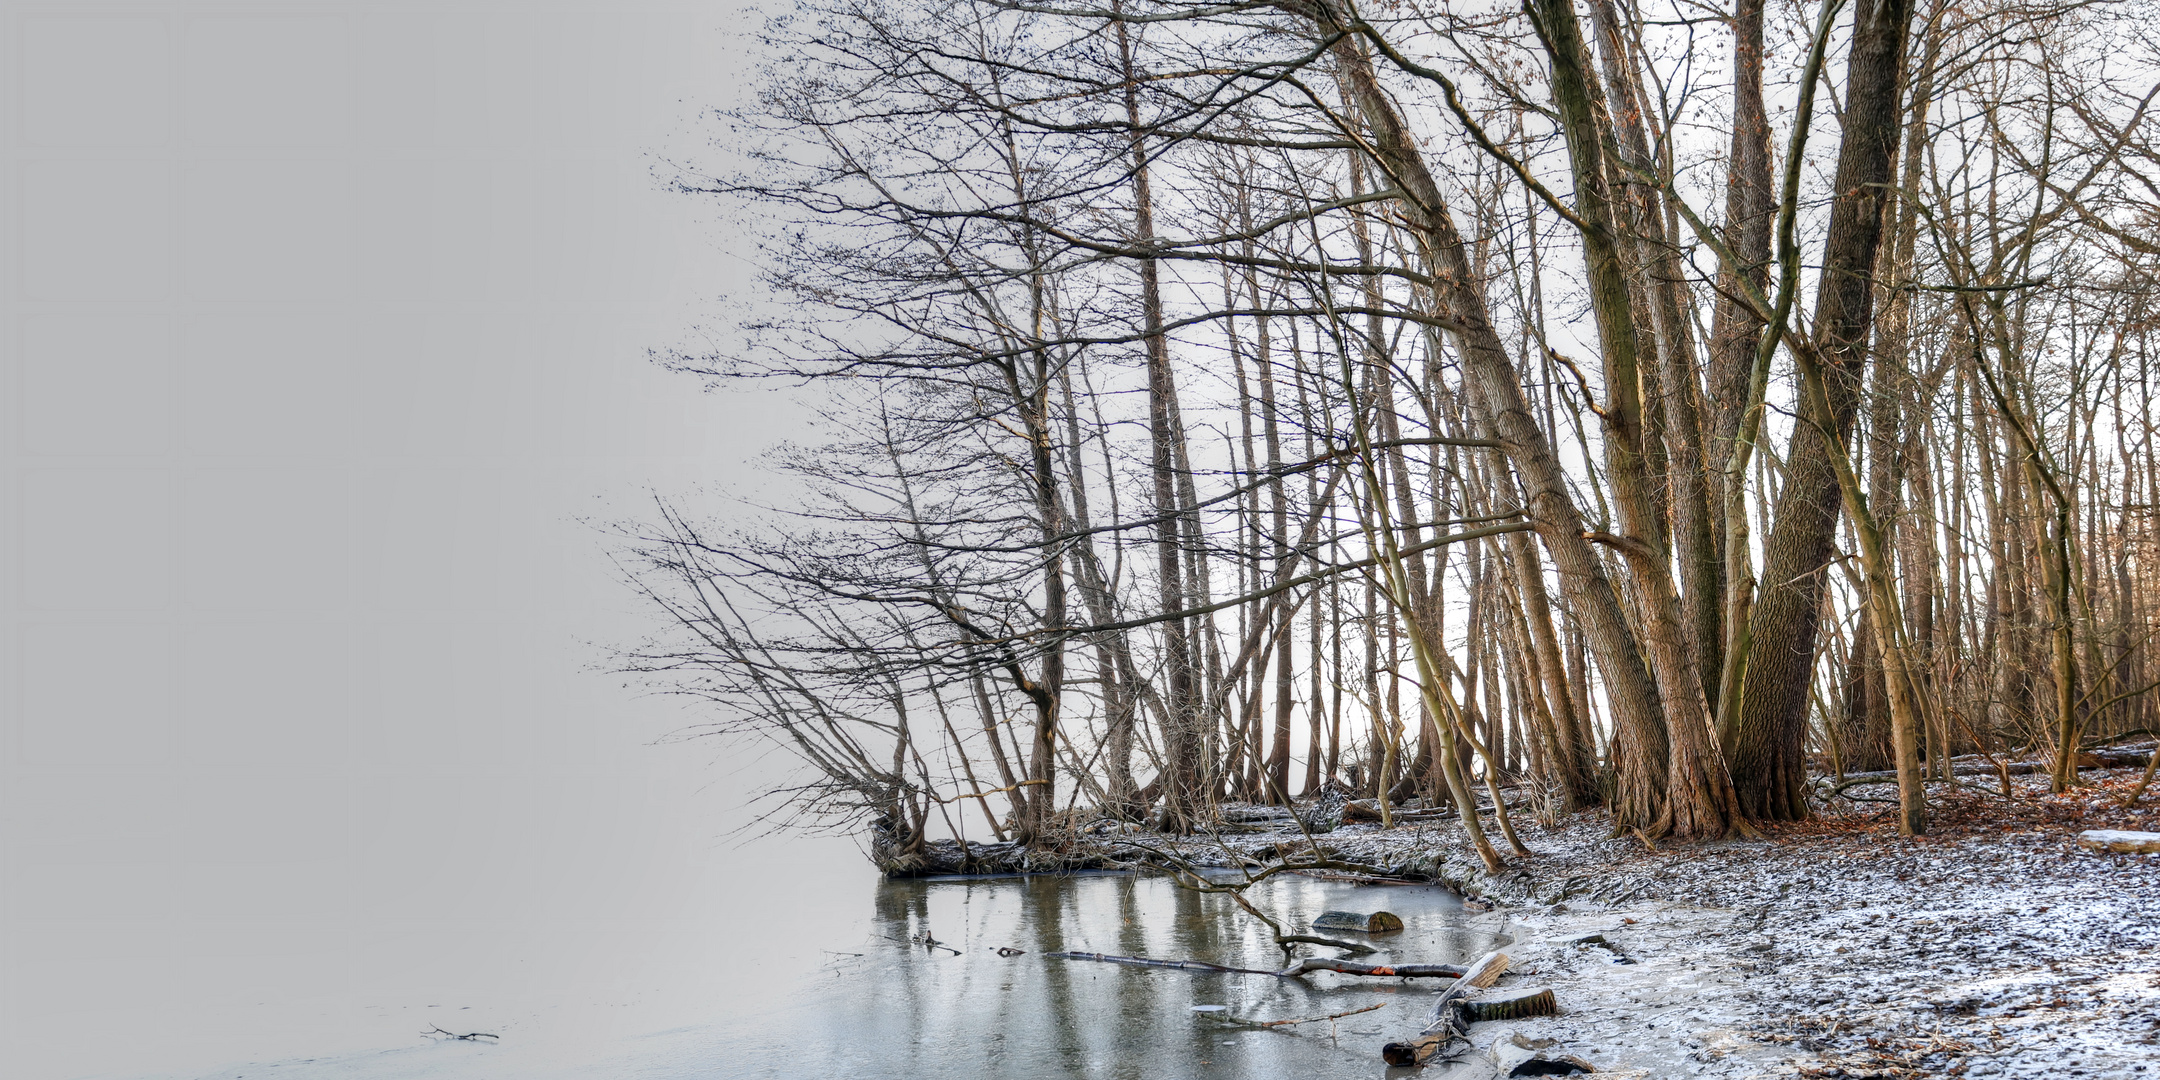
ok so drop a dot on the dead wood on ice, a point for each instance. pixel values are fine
(1441, 1029)
(1142, 961)
(1336, 943)
(1315, 1019)
(467, 1037)
(1298, 970)
(1351, 967)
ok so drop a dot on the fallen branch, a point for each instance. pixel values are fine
(1366, 810)
(1142, 961)
(925, 939)
(1310, 964)
(1297, 970)
(2090, 759)
(1316, 1019)
(1337, 943)
(467, 1037)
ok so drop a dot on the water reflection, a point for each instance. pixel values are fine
(904, 1010)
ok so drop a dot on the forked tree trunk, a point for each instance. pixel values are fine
(1700, 800)
(1768, 744)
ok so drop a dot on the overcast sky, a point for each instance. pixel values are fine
(324, 334)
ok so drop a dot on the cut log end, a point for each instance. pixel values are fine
(1517, 1007)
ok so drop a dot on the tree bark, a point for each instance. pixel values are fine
(1767, 751)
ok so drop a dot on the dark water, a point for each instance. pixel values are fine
(902, 1010)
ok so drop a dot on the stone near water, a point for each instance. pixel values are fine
(1379, 922)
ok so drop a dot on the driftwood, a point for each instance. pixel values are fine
(1297, 970)
(1379, 922)
(2120, 842)
(1421, 1047)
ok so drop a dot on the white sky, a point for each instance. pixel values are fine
(324, 327)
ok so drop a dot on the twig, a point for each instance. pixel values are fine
(468, 1036)
(1311, 1019)
(1296, 970)
(1141, 961)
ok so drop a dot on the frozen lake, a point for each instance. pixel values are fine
(810, 971)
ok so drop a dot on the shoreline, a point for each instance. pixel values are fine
(1830, 948)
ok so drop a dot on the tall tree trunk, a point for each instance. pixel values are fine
(1768, 747)
(1700, 800)
(1496, 387)
(1182, 738)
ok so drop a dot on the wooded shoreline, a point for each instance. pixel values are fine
(1427, 402)
(1828, 945)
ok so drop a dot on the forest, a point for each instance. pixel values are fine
(1695, 417)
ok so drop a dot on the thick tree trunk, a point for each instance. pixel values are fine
(1768, 747)
(1700, 801)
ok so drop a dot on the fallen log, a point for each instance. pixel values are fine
(2091, 759)
(2120, 841)
(1379, 922)
(1366, 810)
(1420, 1048)
(1357, 879)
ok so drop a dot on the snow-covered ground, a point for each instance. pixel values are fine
(1992, 947)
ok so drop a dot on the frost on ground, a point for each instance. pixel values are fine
(1992, 947)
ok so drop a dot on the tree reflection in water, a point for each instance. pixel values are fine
(904, 1010)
